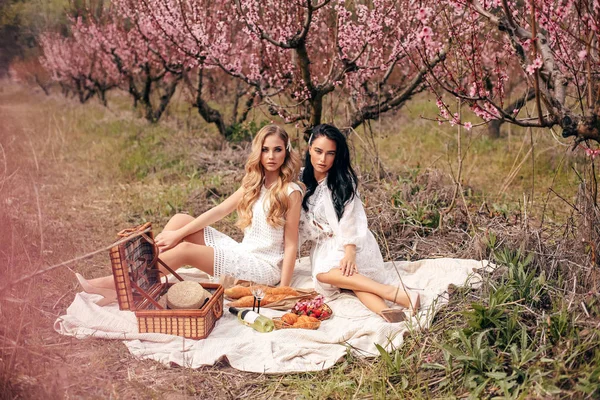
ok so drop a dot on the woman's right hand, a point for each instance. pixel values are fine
(167, 240)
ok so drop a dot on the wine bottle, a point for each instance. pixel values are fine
(254, 320)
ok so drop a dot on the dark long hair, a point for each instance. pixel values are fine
(341, 178)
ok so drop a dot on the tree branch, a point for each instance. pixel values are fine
(372, 111)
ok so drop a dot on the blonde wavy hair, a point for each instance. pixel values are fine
(277, 200)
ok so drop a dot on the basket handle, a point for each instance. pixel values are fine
(217, 309)
(146, 295)
(140, 228)
(165, 285)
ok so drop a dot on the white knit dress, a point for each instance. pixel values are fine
(328, 236)
(260, 255)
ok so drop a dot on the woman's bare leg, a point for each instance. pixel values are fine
(105, 282)
(358, 282)
(186, 253)
(180, 220)
(371, 301)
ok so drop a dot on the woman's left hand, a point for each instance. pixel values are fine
(348, 263)
(167, 240)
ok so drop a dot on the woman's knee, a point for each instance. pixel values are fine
(326, 277)
(179, 220)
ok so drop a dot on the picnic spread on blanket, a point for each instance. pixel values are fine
(295, 330)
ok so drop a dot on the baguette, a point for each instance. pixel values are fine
(286, 290)
(247, 301)
(272, 298)
(239, 291)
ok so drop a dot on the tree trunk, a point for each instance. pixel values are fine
(209, 114)
(166, 98)
(40, 84)
(146, 91)
(494, 128)
(102, 95)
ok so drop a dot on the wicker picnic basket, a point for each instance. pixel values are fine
(134, 261)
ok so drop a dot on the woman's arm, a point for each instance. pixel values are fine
(352, 226)
(290, 238)
(348, 262)
(168, 239)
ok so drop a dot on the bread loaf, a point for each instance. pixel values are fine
(286, 290)
(238, 291)
(247, 301)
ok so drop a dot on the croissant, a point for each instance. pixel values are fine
(307, 322)
(306, 318)
(235, 292)
(289, 318)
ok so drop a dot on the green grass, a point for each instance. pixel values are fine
(496, 171)
(520, 338)
(499, 172)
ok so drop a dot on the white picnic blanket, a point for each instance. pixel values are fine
(352, 328)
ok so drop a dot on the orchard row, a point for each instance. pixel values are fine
(532, 63)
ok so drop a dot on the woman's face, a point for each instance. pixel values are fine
(322, 155)
(273, 153)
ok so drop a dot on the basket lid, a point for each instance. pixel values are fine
(135, 269)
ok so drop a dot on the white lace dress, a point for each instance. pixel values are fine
(328, 236)
(260, 255)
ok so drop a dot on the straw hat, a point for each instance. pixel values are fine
(186, 294)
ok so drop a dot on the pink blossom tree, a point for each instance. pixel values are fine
(32, 72)
(550, 45)
(292, 54)
(77, 67)
(146, 67)
(358, 51)
(187, 30)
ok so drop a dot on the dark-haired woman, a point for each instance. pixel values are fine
(344, 253)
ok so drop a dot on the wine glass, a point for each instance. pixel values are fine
(258, 291)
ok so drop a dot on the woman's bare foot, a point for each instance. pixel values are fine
(406, 298)
(108, 295)
(415, 302)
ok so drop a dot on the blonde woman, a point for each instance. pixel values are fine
(268, 204)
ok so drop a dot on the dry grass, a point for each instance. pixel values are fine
(60, 199)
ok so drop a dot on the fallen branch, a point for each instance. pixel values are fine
(83, 257)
